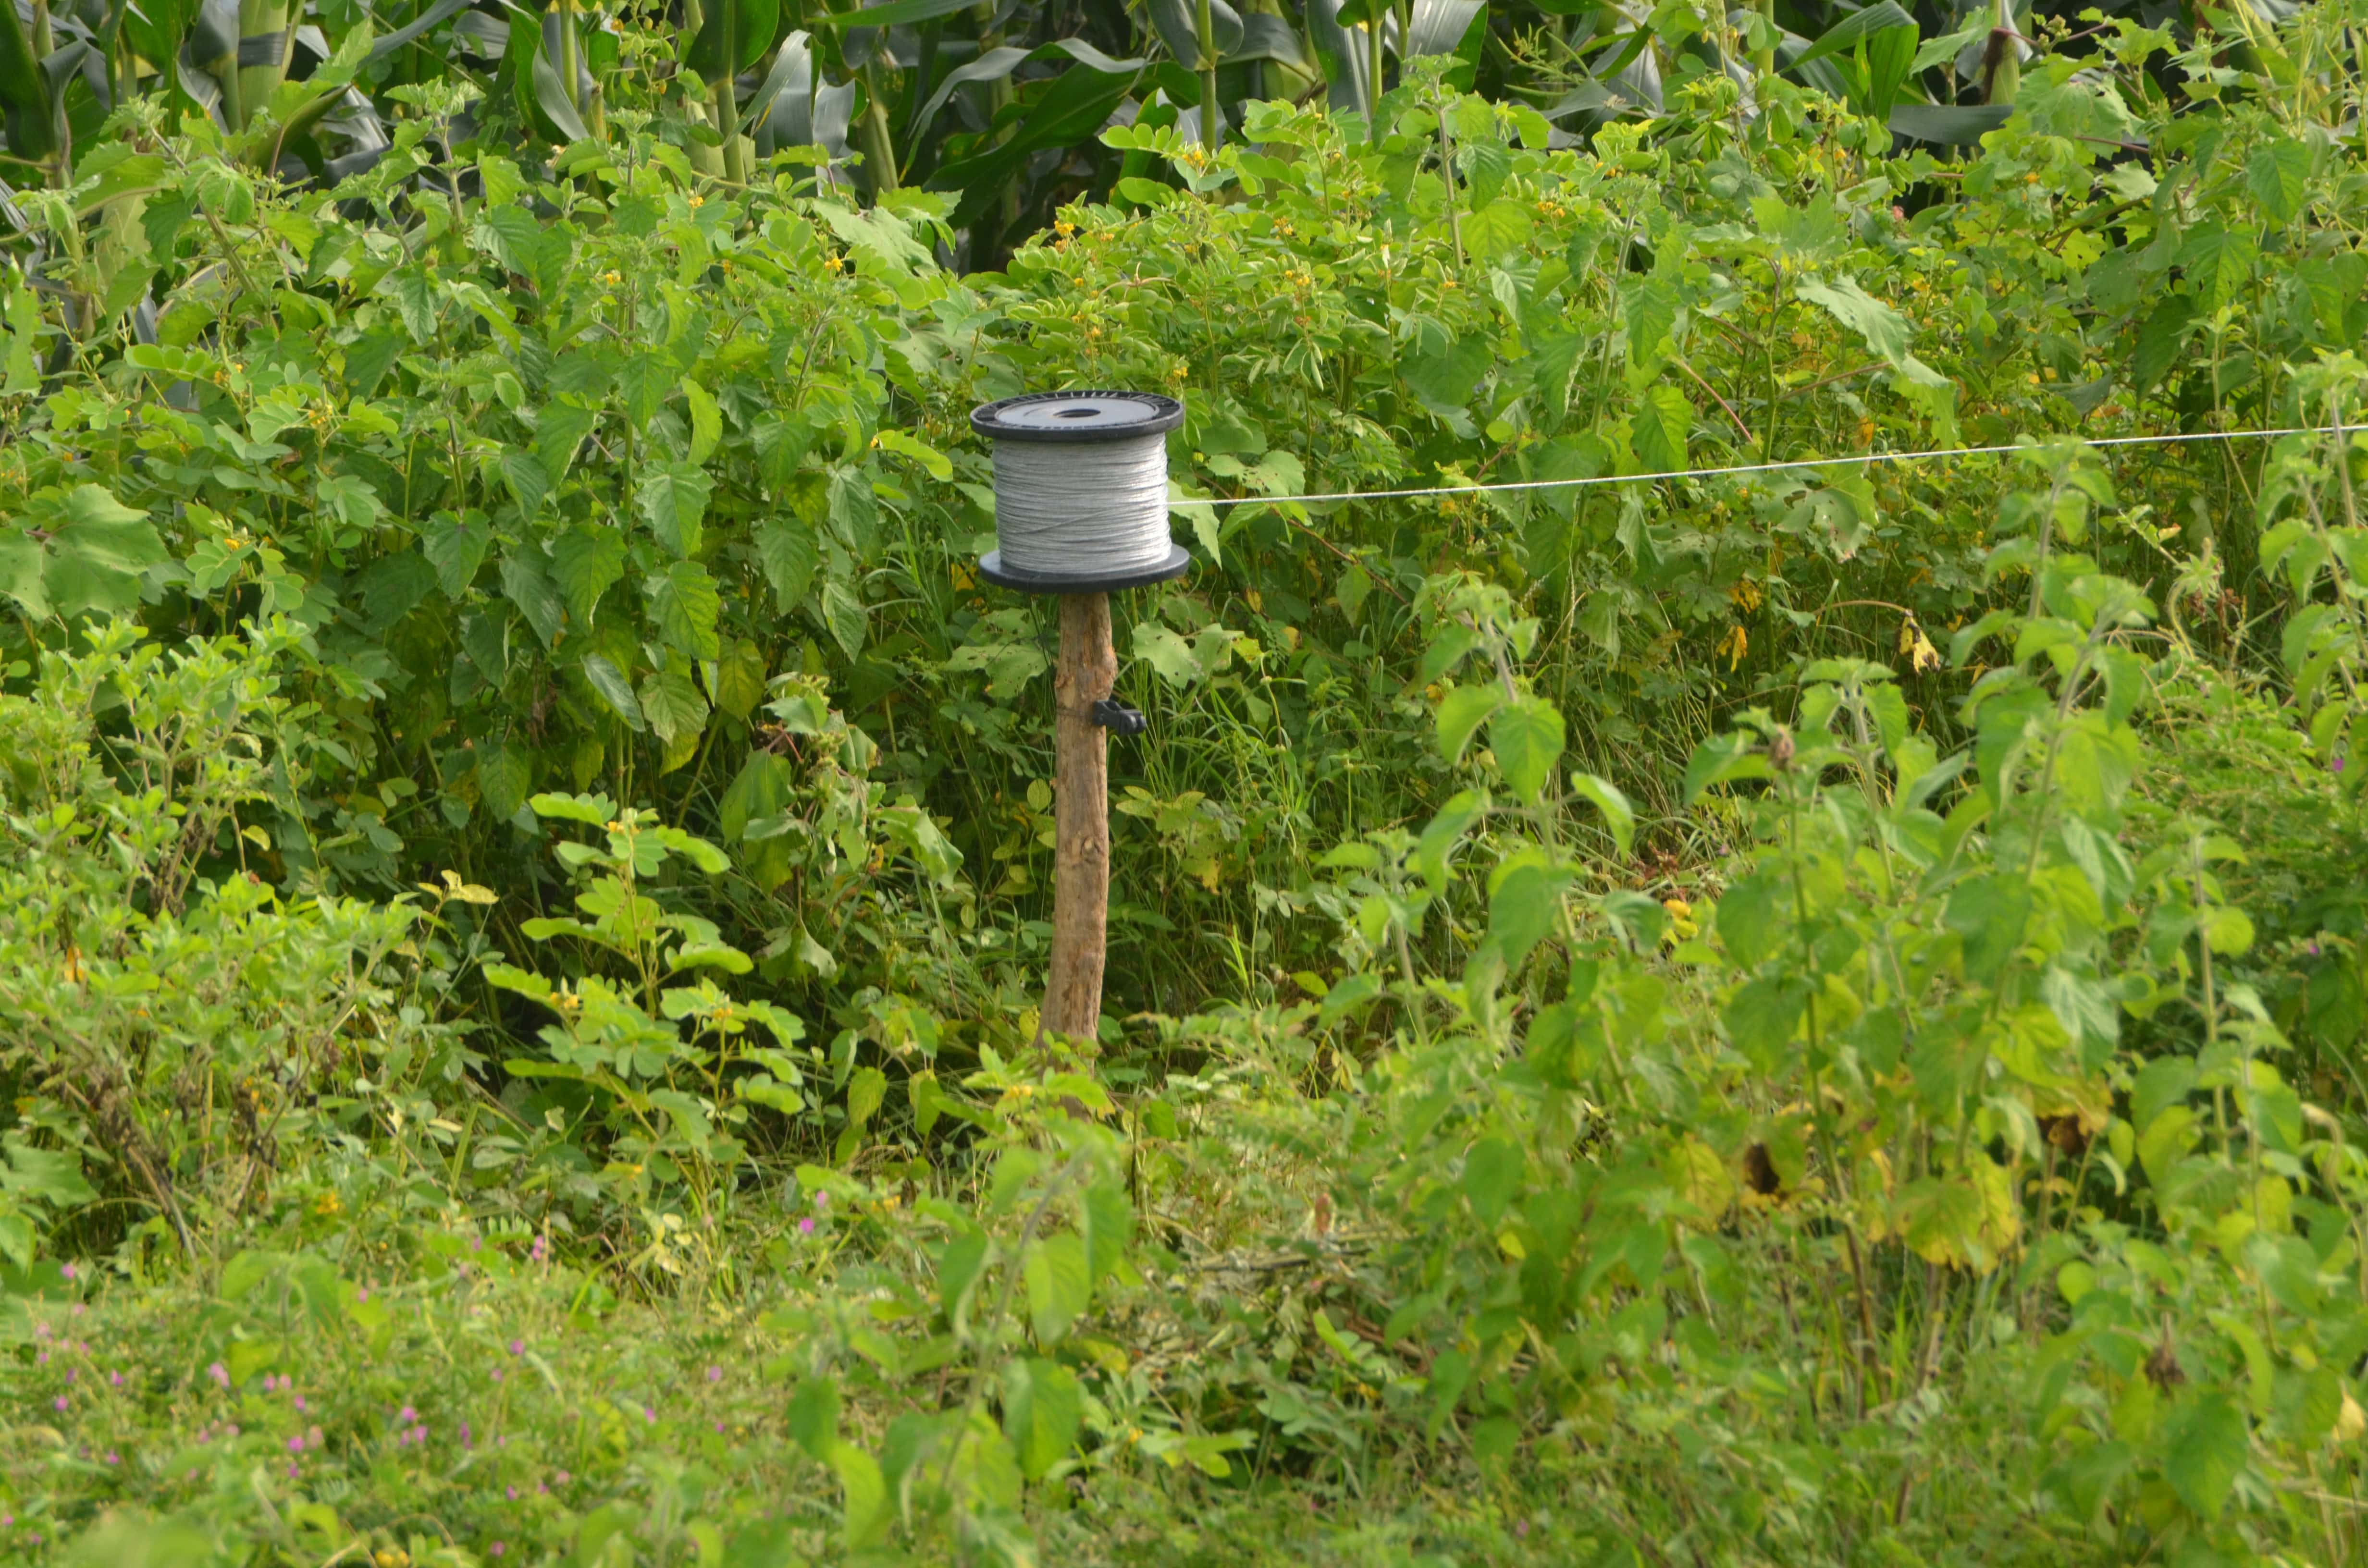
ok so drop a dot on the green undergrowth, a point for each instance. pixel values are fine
(1798, 1016)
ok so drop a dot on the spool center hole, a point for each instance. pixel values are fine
(1078, 413)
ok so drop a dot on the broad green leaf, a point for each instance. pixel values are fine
(1885, 330)
(785, 546)
(2205, 1447)
(2278, 177)
(527, 481)
(1649, 312)
(1059, 1285)
(1443, 378)
(20, 573)
(615, 690)
(672, 704)
(1664, 419)
(2161, 339)
(1762, 1015)
(1618, 816)
(505, 774)
(1108, 1226)
(1845, 34)
(1989, 913)
(456, 547)
(1492, 1174)
(1043, 1407)
(706, 421)
(1527, 736)
(672, 498)
(865, 1092)
(1719, 760)
(559, 428)
(585, 563)
(596, 810)
(1461, 713)
(1524, 907)
(812, 1416)
(739, 679)
(2218, 261)
(865, 1493)
(684, 606)
(1496, 230)
(525, 581)
(932, 460)
(842, 613)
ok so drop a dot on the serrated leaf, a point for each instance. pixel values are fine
(456, 547)
(526, 579)
(842, 613)
(1496, 230)
(1043, 1407)
(559, 429)
(1664, 420)
(672, 498)
(586, 561)
(505, 774)
(1059, 1285)
(1527, 736)
(643, 382)
(706, 420)
(1649, 312)
(785, 547)
(527, 479)
(739, 679)
(1461, 713)
(866, 1092)
(2278, 177)
(2218, 261)
(20, 573)
(672, 704)
(614, 689)
(684, 606)
(2205, 1447)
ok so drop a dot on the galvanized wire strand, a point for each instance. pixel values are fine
(1082, 509)
(1858, 460)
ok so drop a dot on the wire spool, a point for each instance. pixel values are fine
(1081, 491)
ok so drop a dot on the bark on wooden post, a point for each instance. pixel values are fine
(1085, 675)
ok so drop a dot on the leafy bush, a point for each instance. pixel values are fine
(1744, 1006)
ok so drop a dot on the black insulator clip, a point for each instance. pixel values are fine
(1118, 718)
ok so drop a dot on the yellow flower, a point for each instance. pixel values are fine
(612, 278)
(698, 201)
(832, 264)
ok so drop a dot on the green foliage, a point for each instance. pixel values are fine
(527, 841)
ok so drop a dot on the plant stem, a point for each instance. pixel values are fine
(568, 65)
(727, 122)
(2006, 72)
(1212, 133)
(879, 153)
(1447, 180)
